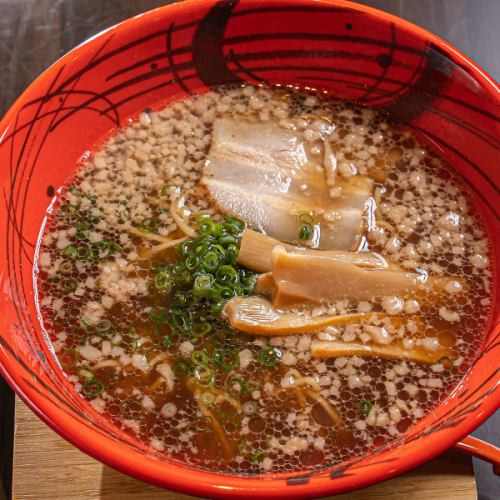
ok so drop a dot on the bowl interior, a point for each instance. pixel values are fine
(167, 54)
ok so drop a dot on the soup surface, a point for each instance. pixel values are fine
(263, 280)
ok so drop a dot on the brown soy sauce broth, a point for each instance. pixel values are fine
(104, 313)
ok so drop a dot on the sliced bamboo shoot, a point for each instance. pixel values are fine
(256, 253)
(265, 285)
(334, 349)
(307, 278)
(257, 315)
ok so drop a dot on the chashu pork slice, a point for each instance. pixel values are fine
(264, 175)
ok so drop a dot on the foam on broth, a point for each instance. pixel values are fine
(108, 322)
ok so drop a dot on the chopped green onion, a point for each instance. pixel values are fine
(164, 281)
(217, 230)
(85, 373)
(210, 261)
(68, 210)
(165, 189)
(181, 368)
(257, 455)
(196, 340)
(110, 247)
(235, 386)
(201, 329)
(234, 226)
(66, 267)
(269, 356)
(81, 226)
(243, 448)
(167, 341)
(305, 232)
(180, 319)
(203, 278)
(207, 398)
(219, 250)
(203, 224)
(104, 326)
(225, 293)
(227, 275)
(250, 283)
(226, 359)
(232, 253)
(149, 225)
(203, 284)
(227, 240)
(94, 219)
(204, 375)
(70, 285)
(253, 385)
(306, 218)
(85, 326)
(68, 358)
(192, 262)
(85, 253)
(92, 388)
(217, 308)
(71, 251)
(365, 406)
(199, 357)
(158, 314)
(186, 247)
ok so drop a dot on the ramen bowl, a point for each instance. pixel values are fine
(333, 46)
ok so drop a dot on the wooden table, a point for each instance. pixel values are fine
(46, 467)
(34, 33)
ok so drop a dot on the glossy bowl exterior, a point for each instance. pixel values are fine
(163, 55)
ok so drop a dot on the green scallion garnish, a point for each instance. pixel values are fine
(181, 367)
(257, 455)
(71, 251)
(269, 356)
(92, 388)
(306, 232)
(68, 358)
(199, 357)
(158, 314)
(204, 375)
(149, 225)
(365, 406)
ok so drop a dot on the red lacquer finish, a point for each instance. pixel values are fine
(349, 50)
(480, 449)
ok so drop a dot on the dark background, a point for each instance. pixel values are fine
(34, 33)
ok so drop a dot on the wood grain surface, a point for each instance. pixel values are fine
(46, 467)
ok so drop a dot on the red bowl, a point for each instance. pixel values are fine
(150, 60)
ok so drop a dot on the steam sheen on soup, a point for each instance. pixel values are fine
(263, 280)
